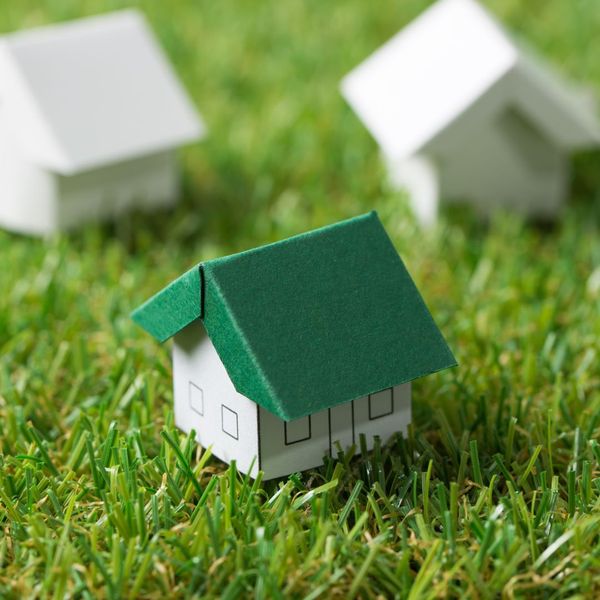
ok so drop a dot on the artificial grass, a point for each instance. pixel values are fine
(496, 489)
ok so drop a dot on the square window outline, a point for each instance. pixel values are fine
(237, 427)
(371, 418)
(285, 431)
(192, 384)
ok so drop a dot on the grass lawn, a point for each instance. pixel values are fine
(496, 489)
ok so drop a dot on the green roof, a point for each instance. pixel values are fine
(310, 322)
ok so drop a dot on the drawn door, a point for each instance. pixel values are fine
(341, 426)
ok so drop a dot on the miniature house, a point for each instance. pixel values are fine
(284, 351)
(91, 114)
(462, 113)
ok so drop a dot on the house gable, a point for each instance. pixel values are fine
(565, 114)
(527, 140)
(207, 402)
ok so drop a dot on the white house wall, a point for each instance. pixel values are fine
(383, 413)
(28, 192)
(418, 176)
(206, 401)
(294, 446)
(302, 444)
(146, 183)
(236, 428)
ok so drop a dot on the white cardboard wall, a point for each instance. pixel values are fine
(206, 400)
(228, 421)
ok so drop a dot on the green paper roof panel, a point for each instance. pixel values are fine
(310, 322)
(172, 308)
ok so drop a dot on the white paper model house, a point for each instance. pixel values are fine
(91, 114)
(282, 351)
(462, 113)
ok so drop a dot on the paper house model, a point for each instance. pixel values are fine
(460, 112)
(91, 114)
(282, 351)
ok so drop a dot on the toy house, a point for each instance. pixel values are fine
(91, 114)
(283, 351)
(462, 113)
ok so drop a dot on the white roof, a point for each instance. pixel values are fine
(91, 92)
(432, 71)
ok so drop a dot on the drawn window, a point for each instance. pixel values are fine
(298, 430)
(229, 422)
(381, 404)
(196, 397)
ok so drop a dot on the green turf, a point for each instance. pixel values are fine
(496, 490)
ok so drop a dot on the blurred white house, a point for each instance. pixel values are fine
(461, 112)
(91, 114)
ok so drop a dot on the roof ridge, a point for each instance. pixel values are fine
(294, 238)
(58, 27)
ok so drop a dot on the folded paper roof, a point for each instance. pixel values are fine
(309, 322)
(422, 80)
(87, 93)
